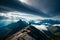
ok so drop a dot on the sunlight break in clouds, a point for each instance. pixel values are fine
(18, 15)
(24, 1)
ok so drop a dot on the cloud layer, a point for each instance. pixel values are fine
(44, 8)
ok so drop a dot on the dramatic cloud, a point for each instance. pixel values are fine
(18, 15)
(44, 8)
(50, 7)
(16, 5)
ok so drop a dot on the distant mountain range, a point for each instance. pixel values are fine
(45, 21)
(50, 21)
(52, 30)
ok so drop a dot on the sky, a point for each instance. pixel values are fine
(18, 15)
(41, 8)
(50, 7)
(12, 11)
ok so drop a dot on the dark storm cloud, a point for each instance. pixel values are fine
(54, 7)
(18, 6)
(5, 9)
(49, 7)
(46, 8)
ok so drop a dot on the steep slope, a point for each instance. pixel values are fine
(12, 28)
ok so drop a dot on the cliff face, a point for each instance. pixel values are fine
(28, 33)
(12, 28)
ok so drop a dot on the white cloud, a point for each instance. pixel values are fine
(40, 27)
(18, 15)
(56, 25)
